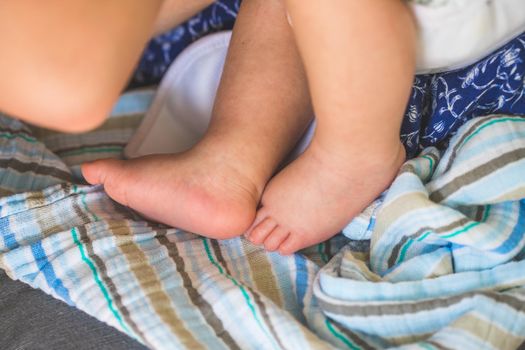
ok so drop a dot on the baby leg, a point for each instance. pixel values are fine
(261, 110)
(359, 59)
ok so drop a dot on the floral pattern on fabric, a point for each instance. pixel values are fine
(441, 103)
(163, 49)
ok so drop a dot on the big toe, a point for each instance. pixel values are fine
(98, 172)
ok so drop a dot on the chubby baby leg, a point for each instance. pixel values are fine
(359, 59)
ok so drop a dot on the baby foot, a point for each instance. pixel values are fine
(195, 191)
(314, 197)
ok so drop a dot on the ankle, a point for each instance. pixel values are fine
(247, 163)
(384, 154)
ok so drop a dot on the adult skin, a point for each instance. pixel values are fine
(64, 63)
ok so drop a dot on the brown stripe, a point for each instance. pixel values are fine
(328, 250)
(6, 192)
(480, 211)
(196, 298)
(498, 338)
(129, 121)
(400, 206)
(101, 267)
(477, 173)
(466, 134)
(35, 200)
(262, 273)
(46, 221)
(35, 168)
(396, 250)
(409, 168)
(408, 308)
(437, 345)
(116, 297)
(359, 261)
(153, 289)
(257, 298)
(351, 335)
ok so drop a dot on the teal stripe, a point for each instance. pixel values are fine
(101, 286)
(426, 234)
(453, 234)
(85, 150)
(320, 250)
(404, 250)
(237, 284)
(339, 336)
(463, 230)
(500, 120)
(431, 163)
(84, 203)
(10, 136)
(486, 213)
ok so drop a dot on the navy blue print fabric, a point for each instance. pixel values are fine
(439, 103)
(163, 49)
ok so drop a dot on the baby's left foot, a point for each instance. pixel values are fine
(314, 197)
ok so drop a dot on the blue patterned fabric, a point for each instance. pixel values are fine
(163, 49)
(439, 103)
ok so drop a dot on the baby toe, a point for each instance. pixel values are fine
(291, 244)
(260, 231)
(275, 238)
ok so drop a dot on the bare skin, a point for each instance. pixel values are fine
(262, 108)
(216, 186)
(359, 80)
(66, 62)
(174, 12)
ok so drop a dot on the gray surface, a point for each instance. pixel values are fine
(31, 319)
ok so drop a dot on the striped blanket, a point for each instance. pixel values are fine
(443, 267)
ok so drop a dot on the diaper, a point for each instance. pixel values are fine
(456, 33)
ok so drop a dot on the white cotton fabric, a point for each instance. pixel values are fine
(456, 33)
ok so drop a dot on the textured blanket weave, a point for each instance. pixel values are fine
(166, 288)
(446, 264)
(444, 268)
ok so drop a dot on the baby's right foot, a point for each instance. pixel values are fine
(198, 191)
(315, 196)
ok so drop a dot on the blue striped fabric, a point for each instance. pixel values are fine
(446, 264)
(444, 267)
